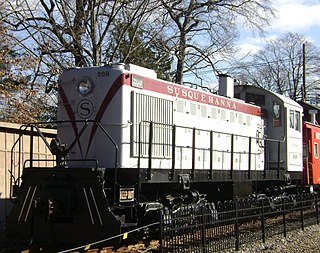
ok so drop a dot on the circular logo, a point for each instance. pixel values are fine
(85, 109)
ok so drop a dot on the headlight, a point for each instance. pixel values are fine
(85, 87)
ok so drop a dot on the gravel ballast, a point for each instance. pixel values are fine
(307, 240)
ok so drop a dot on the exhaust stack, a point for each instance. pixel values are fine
(226, 86)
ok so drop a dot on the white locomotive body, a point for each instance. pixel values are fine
(126, 100)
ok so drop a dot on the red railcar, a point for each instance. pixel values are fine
(311, 144)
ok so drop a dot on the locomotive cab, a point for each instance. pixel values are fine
(283, 132)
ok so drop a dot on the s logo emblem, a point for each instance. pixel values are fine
(85, 109)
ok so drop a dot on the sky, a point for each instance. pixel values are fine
(297, 16)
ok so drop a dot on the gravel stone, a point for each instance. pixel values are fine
(297, 241)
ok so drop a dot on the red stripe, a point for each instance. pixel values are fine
(121, 80)
(70, 113)
(199, 96)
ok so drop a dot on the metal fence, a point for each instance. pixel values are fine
(226, 225)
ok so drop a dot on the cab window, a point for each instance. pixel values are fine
(294, 120)
(316, 153)
(291, 119)
(297, 121)
(276, 111)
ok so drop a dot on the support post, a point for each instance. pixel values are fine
(249, 158)
(211, 155)
(173, 152)
(236, 224)
(193, 171)
(279, 160)
(231, 156)
(150, 150)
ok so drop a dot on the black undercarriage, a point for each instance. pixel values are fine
(79, 205)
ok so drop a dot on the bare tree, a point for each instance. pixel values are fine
(15, 69)
(202, 31)
(21, 101)
(279, 66)
(77, 33)
(65, 33)
(58, 34)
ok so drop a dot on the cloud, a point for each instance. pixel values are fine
(249, 48)
(251, 45)
(296, 15)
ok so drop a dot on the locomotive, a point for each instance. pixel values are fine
(129, 144)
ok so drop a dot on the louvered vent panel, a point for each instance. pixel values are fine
(159, 111)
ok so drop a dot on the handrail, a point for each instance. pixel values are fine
(68, 160)
(116, 160)
(12, 171)
(15, 176)
(208, 131)
(172, 129)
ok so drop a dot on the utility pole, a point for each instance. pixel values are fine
(303, 86)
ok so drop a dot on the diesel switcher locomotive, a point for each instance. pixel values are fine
(129, 144)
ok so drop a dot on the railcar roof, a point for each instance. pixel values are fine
(283, 98)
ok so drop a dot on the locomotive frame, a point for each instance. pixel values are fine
(129, 144)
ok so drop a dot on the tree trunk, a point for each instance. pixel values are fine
(181, 58)
(78, 30)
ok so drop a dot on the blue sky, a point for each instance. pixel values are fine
(297, 16)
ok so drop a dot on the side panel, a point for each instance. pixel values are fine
(311, 158)
(294, 138)
(192, 135)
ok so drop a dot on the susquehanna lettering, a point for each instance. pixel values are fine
(201, 97)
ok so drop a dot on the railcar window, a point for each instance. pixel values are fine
(297, 121)
(232, 116)
(257, 99)
(316, 153)
(291, 119)
(294, 120)
(248, 120)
